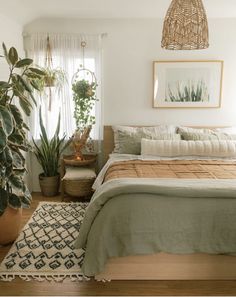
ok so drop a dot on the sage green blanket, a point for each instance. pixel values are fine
(145, 216)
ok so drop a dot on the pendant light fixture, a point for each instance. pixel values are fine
(185, 26)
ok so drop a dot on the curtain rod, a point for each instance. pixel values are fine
(27, 34)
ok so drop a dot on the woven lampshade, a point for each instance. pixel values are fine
(185, 26)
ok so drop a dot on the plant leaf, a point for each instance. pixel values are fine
(4, 85)
(17, 115)
(16, 181)
(25, 106)
(5, 53)
(37, 71)
(6, 120)
(14, 201)
(24, 83)
(6, 157)
(24, 63)
(13, 55)
(3, 200)
(3, 139)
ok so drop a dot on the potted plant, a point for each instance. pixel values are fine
(48, 153)
(84, 96)
(54, 77)
(16, 90)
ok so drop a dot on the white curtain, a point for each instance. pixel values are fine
(67, 54)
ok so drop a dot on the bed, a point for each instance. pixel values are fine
(150, 227)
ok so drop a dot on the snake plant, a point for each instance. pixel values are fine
(49, 150)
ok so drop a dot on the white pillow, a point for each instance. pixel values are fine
(183, 129)
(175, 148)
(78, 173)
(227, 130)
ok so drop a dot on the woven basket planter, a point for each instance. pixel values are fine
(79, 188)
(49, 185)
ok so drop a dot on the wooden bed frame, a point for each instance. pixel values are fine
(163, 266)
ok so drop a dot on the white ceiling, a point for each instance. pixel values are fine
(25, 11)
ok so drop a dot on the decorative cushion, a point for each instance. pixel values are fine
(206, 136)
(128, 139)
(183, 129)
(227, 130)
(172, 148)
(78, 173)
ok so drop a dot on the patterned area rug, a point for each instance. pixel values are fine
(44, 249)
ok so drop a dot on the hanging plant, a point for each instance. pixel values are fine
(84, 96)
(54, 77)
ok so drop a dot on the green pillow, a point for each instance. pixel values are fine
(207, 136)
(130, 143)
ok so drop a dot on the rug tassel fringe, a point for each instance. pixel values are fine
(41, 278)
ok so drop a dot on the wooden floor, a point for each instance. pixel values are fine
(114, 288)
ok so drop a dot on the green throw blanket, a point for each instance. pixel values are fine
(145, 216)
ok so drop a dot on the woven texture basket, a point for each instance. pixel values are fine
(79, 188)
(185, 26)
(49, 185)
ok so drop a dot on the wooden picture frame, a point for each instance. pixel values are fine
(187, 84)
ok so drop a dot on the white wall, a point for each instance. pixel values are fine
(129, 49)
(11, 35)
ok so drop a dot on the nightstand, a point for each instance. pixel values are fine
(77, 177)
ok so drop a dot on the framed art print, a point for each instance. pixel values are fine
(187, 84)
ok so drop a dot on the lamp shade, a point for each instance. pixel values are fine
(185, 26)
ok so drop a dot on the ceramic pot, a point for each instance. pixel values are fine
(10, 224)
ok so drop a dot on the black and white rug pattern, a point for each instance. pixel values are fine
(44, 249)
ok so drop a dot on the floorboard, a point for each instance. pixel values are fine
(114, 288)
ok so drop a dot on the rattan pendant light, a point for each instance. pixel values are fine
(185, 26)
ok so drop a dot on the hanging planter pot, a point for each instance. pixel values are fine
(50, 81)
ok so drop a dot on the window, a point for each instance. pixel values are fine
(67, 55)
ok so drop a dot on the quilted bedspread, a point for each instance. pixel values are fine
(193, 169)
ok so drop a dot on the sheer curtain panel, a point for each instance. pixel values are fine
(67, 54)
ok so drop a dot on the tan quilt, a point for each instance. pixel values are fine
(172, 169)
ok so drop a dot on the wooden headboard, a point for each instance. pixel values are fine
(108, 142)
(108, 139)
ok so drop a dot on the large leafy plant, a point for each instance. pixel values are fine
(16, 91)
(84, 95)
(49, 151)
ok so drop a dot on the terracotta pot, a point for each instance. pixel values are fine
(10, 224)
(49, 185)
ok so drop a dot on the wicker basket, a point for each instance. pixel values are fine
(79, 188)
(49, 185)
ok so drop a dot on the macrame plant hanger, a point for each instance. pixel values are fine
(80, 138)
(49, 67)
(82, 70)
